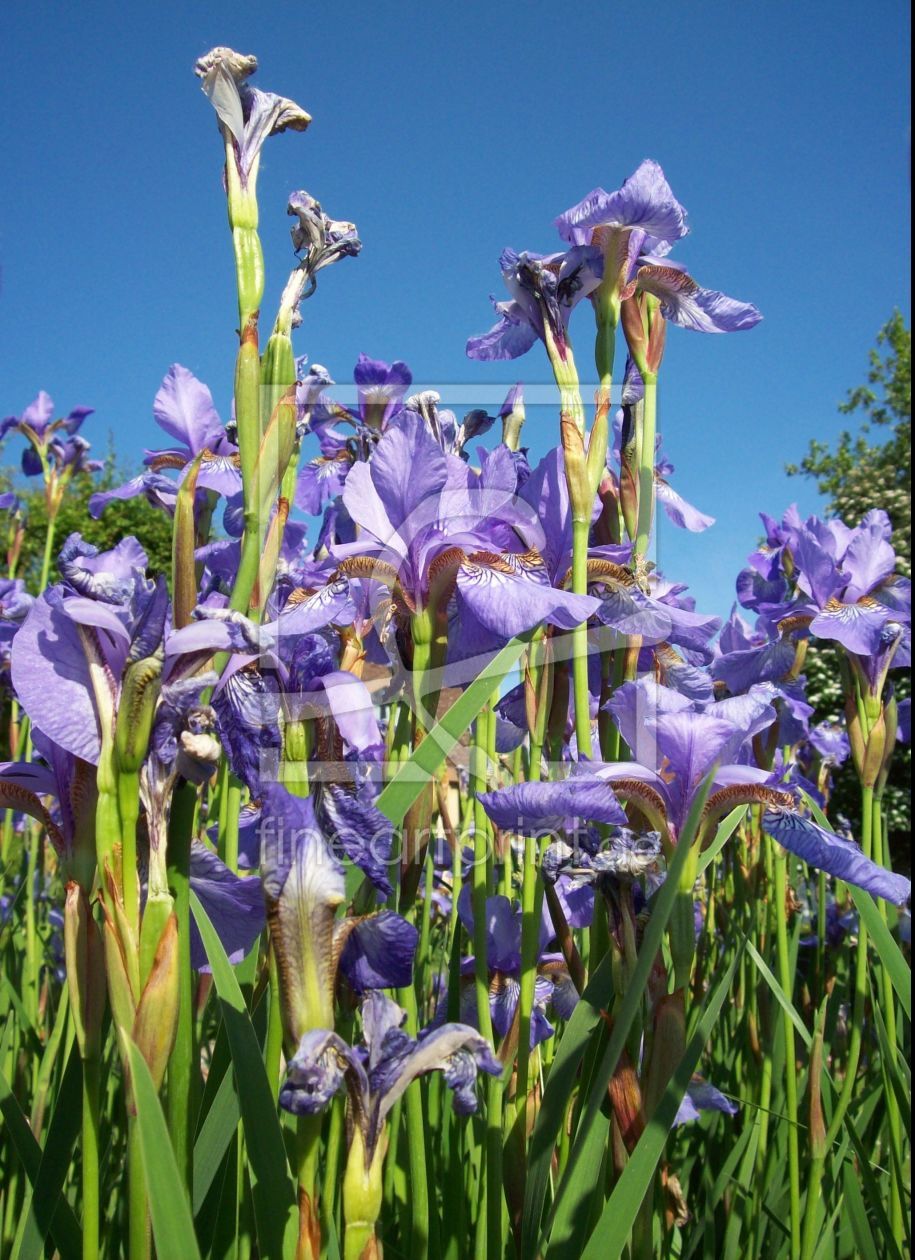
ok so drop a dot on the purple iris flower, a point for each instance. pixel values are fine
(377, 1073)
(830, 741)
(763, 660)
(545, 289)
(678, 510)
(443, 424)
(247, 116)
(655, 615)
(643, 216)
(635, 228)
(304, 885)
(381, 388)
(42, 432)
(684, 302)
(234, 906)
(73, 647)
(319, 239)
(424, 518)
(702, 1096)
(67, 780)
(347, 436)
(503, 961)
(848, 584)
(675, 748)
(184, 408)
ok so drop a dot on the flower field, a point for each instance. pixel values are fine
(406, 866)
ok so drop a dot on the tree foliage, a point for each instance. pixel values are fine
(133, 516)
(873, 466)
(870, 468)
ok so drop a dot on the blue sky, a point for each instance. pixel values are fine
(447, 132)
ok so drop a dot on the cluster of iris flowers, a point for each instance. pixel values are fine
(467, 792)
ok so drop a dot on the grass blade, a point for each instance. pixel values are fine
(609, 1238)
(49, 1210)
(64, 1226)
(173, 1226)
(397, 797)
(780, 995)
(880, 936)
(575, 1186)
(726, 829)
(212, 1142)
(586, 1019)
(272, 1185)
(889, 952)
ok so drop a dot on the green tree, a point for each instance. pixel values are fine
(870, 468)
(132, 516)
(873, 467)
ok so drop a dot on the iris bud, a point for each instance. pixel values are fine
(139, 694)
(362, 1195)
(874, 753)
(855, 734)
(156, 1018)
(668, 1047)
(581, 496)
(891, 718)
(513, 419)
(85, 970)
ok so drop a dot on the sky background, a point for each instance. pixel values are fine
(447, 132)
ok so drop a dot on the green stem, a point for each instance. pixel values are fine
(274, 1046)
(128, 793)
(183, 1078)
(32, 962)
(581, 690)
(308, 1148)
(481, 865)
(90, 1158)
(646, 467)
(420, 1207)
(531, 900)
(786, 979)
(894, 1117)
(859, 994)
(332, 1165)
(232, 810)
(48, 551)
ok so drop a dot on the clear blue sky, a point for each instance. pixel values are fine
(446, 131)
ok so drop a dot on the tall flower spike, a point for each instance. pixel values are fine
(303, 887)
(247, 116)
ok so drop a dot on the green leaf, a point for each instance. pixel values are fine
(609, 1238)
(575, 1187)
(214, 1137)
(889, 952)
(172, 1223)
(891, 1065)
(272, 1186)
(864, 1173)
(48, 1210)
(780, 995)
(726, 829)
(857, 1215)
(586, 1019)
(397, 797)
(63, 1226)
